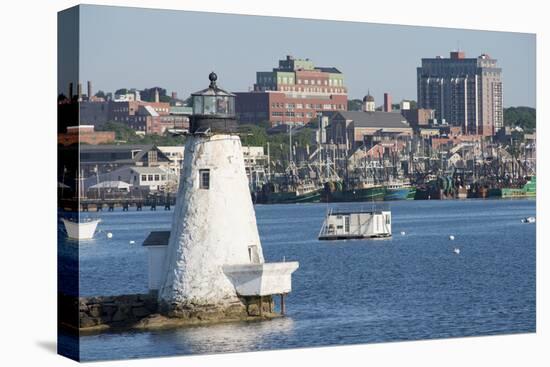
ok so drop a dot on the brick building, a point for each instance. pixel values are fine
(465, 92)
(85, 134)
(292, 93)
(356, 128)
(147, 117)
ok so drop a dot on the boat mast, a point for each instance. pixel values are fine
(97, 180)
(268, 164)
(290, 158)
(319, 139)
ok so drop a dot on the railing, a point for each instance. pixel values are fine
(367, 208)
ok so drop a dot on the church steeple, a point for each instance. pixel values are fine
(368, 103)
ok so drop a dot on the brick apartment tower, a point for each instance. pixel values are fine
(465, 92)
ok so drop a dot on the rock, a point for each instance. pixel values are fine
(94, 310)
(120, 315)
(140, 312)
(88, 322)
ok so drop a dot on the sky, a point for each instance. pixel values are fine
(176, 50)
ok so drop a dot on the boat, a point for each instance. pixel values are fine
(374, 222)
(528, 220)
(528, 190)
(335, 192)
(81, 230)
(399, 190)
(302, 193)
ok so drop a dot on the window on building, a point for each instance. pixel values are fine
(163, 177)
(150, 178)
(204, 179)
(157, 177)
(143, 177)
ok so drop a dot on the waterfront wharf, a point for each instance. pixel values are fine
(139, 203)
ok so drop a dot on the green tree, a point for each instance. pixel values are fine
(355, 104)
(524, 117)
(127, 135)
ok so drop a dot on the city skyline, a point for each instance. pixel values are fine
(176, 50)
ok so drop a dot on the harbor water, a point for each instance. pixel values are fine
(412, 286)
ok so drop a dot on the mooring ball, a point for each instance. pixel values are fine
(451, 237)
(132, 242)
(403, 233)
(109, 235)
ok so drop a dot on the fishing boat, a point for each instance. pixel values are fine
(528, 190)
(335, 192)
(374, 222)
(301, 193)
(81, 230)
(399, 190)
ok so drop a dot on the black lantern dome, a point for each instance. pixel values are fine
(213, 109)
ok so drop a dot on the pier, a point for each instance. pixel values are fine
(126, 203)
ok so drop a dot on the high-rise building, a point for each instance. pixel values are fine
(465, 92)
(292, 93)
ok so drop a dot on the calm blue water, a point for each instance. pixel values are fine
(362, 291)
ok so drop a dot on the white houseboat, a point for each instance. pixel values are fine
(373, 222)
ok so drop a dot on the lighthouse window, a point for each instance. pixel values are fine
(204, 177)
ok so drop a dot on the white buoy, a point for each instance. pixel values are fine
(132, 242)
(109, 235)
(452, 238)
(403, 233)
(457, 251)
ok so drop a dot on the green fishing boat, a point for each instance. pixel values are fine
(274, 194)
(334, 192)
(528, 190)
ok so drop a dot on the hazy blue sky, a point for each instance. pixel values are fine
(139, 48)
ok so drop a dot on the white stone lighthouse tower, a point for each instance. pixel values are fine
(214, 257)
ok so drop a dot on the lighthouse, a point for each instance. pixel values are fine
(213, 264)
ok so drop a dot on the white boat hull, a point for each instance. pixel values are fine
(80, 230)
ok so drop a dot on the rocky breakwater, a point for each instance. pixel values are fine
(142, 311)
(99, 313)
